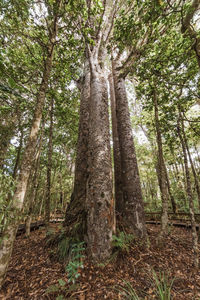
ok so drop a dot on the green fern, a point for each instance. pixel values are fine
(122, 242)
(76, 261)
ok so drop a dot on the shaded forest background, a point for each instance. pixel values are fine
(137, 65)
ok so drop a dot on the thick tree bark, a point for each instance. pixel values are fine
(75, 217)
(119, 205)
(180, 127)
(99, 200)
(49, 167)
(133, 214)
(161, 170)
(19, 195)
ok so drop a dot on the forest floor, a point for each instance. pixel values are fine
(31, 270)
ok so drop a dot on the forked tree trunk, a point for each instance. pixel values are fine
(133, 214)
(119, 205)
(75, 216)
(99, 200)
(19, 195)
(161, 171)
(180, 127)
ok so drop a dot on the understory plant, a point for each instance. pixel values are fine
(122, 242)
(127, 291)
(75, 264)
(163, 285)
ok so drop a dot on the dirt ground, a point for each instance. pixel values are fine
(32, 270)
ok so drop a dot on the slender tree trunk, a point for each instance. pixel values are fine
(49, 167)
(183, 173)
(198, 156)
(180, 128)
(41, 205)
(119, 205)
(161, 171)
(34, 182)
(18, 198)
(99, 200)
(196, 181)
(176, 168)
(133, 214)
(18, 155)
(173, 203)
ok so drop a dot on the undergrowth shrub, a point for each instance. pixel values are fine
(74, 251)
(122, 242)
(161, 283)
(76, 261)
(127, 291)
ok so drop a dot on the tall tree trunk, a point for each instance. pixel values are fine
(198, 156)
(119, 205)
(196, 181)
(180, 127)
(75, 216)
(41, 204)
(173, 203)
(19, 149)
(34, 186)
(18, 198)
(49, 166)
(184, 173)
(99, 200)
(133, 214)
(161, 170)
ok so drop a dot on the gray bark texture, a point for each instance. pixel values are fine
(76, 210)
(99, 200)
(133, 214)
(119, 204)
